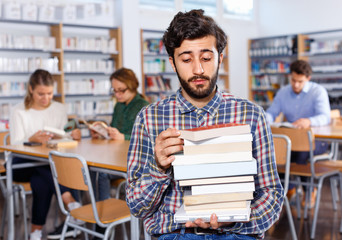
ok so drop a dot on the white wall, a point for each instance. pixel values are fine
(278, 17)
(238, 33)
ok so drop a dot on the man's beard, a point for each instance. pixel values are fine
(199, 92)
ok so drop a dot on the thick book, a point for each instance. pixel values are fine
(216, 180)
(55, 131)
(222, 188)
(181, 159)
(216, 198)
(227, 215)
(62, 143)
(217, 148)
(206, 132)
(215, 170)
(222, 205)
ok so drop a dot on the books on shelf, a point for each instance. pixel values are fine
(207, 132)
(216, 180)
(222, 188)
(223, 215)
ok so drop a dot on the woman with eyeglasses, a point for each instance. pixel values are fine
(129, 103)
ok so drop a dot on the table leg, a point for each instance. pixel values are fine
(135, 231)
(10, 207)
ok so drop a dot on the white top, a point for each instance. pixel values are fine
(24, 123)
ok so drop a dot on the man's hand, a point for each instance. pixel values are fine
(167, 143)
(302, 123)
(213, 224)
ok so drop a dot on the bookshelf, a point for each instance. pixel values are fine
(158, 78)
(269, 61)
(323, 50)
(79, 57)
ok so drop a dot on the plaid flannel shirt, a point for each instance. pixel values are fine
(155, 196)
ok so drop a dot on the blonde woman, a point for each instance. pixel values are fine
(27, 120)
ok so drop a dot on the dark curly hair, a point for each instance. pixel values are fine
(301, 67)
(192, 25)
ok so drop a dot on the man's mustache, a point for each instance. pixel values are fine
(198, 77)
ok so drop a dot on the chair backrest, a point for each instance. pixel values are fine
(302, 140)
(282, 147)
(71, 170)
(4, 138)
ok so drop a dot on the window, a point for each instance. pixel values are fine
(242, 9)
(209, 6)
(158, 4)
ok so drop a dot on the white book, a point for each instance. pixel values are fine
(231, 215)
(221, 205)
(222, 188)
(222, 139)
(216, 180)
(181, 159)
(57, 132)
(226, 169)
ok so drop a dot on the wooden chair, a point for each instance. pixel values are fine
(71, 170)
(282, 147)
(23, 188)
(303, 140)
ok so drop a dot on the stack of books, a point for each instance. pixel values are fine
(216, 170)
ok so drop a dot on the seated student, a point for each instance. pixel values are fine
(305, 104)
(26, 123)
(129, 102)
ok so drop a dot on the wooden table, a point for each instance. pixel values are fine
(331, 133)
(101, 155)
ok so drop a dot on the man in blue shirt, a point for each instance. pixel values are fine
(303, 103)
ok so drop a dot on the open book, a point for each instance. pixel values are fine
(99, 127)
(57, 132)
(283, 124)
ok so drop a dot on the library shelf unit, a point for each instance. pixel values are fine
(67, 51)
(323, 50)
(269, 61)
(158, 78)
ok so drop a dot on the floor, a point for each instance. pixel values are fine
(327, 226)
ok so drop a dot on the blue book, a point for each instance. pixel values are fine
(215, 170)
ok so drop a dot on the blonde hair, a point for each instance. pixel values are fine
(39, 77)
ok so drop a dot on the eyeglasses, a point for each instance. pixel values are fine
(119, 91)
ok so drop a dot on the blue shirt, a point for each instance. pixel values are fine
(155, 196)
(312, 103)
